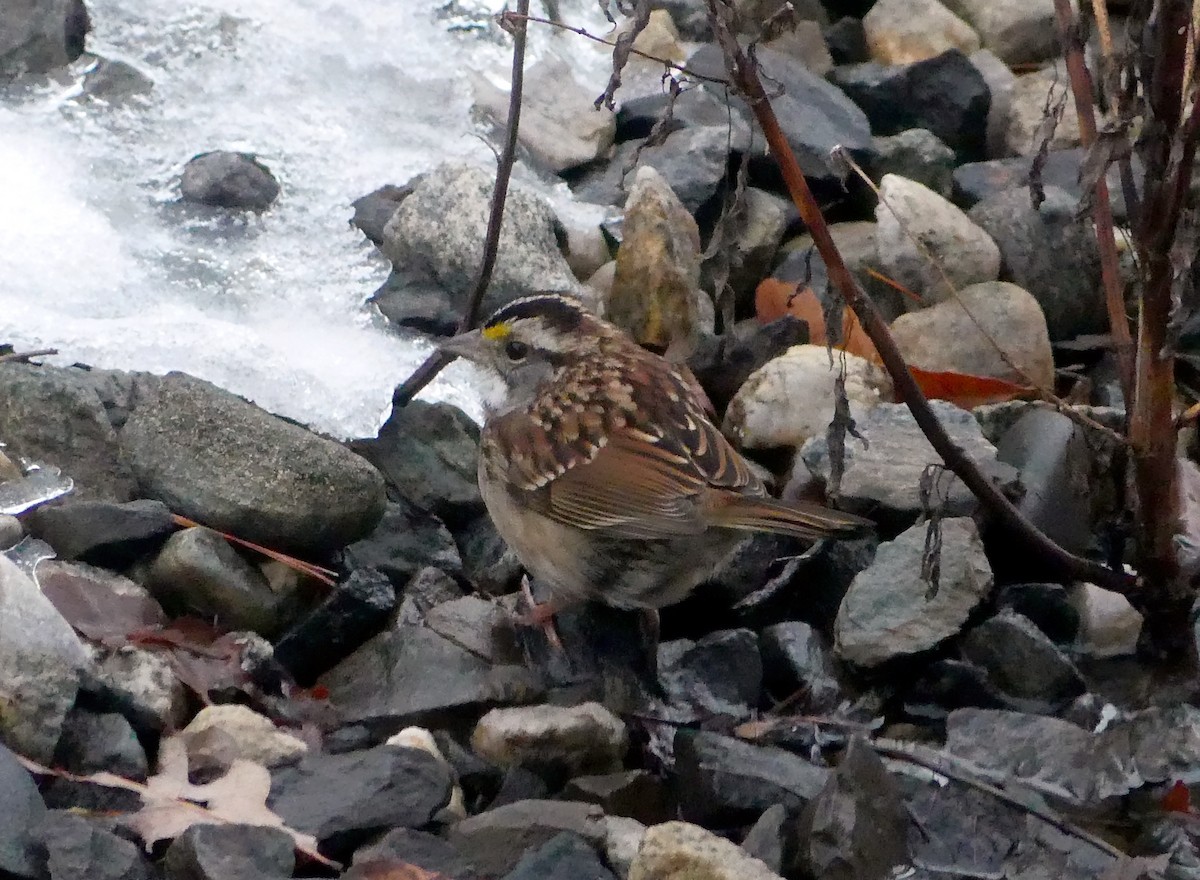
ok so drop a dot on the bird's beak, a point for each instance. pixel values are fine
(465, 345)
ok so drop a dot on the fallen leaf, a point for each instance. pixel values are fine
(965, 390)
(1178, 799)
(390, 869)
(95, 608)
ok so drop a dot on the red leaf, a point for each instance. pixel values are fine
(1178, 799)
(95, 604)
(966, 390)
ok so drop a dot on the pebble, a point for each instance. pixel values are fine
(80, 846)
(805, 42)
(723, 363)
(422, 739)
(622, 842)
(584, 739)
(904, 31)
(496, 840)
(225, 179)
(564, 857)
(676, 850)
(91, 743)
(636, 794)
(140, 684)
(1022, 662)
(230, 852)
(1019, 31)
(719, 674)
(1030, 95)
(406, 540)
(1108, 625)
(220, 735)
(101, 531)
(796, 658)
(918, 155)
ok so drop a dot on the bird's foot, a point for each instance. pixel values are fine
(540, 615)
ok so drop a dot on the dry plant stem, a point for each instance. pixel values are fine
(437, 361)
(745, 77)
(1081, 89)
(23, 356)
(1100, 11)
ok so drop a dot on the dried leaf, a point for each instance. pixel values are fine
(965, 390)
(774, 298)
(390, 869)
(1178, 799)
(203, 657)
(96, 609)
(620, 56)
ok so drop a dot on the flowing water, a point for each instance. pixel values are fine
(100, 261)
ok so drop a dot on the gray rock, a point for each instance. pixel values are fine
(55, 415)
(634, 794)
(496, 840)
(694, 108)
(561, 126)
(11, 531)
(91, 529)
(429, 588)
(138, 683)
(230, 852)
(905, 31)
(198, 572)
(408, 673)
(33, 36)
(584, 738)
(719, 674)
(855, 240)
(622, 842)
(564, 857)
(418, 848)
(805, 42)
(373, 211)
(1030, 95)
(1000, 81)
(429, 452)
(487, 561)
(41, 659)
(847, 41)
(91, 743)
(1019, 31)
(679, 849)
(218, 459)
(406, 540)
(225, 179)
(1022, 662)
(21, 854)
(723, 363)
(769, 838)
(891, 611)
(436, 236)
(79, 846)
(111, 81)
(343, 799)
(758, 226)
(1047, 606)
(480, 626)
(919, 155)
(796, 658)
(1051, 254)
(883, 474)
(727, 781)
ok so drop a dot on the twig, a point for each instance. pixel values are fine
(325, 575)
(515, 22)
(22, 357)
(746, 77)
(1081, 89)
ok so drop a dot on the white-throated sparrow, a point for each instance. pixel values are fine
(601, 467)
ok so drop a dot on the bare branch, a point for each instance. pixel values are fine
(23, 357)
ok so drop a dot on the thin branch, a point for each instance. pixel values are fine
(22, 357)
(746, 77)
(515, 23)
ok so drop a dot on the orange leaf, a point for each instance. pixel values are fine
(1178, 799)
(965, 390)
(774, 298)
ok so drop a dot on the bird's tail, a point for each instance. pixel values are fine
(798, 518)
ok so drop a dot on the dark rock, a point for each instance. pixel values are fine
(487, 561)
(1047, 605)
(796, 658)
(768, 839)
(857, 827)
(726, 781)
(406, 540)
(112, 81)
(429, 453)
(55, 416)
(689, 16)
(409, 673)
(694, 108)
(92, 743)
(637, 794)
(101, 532)
(564, 857)
(417, 848)
(78, 846)
(1051, 254)
(497, 840)
(481, 626)
(11, 531)
(802, 39)
(78, 25)
(409, 299)
(519, 784)
(230, 852)
(427, 589)
(946, 685)
(21, 854)
(748, 568)
(373, 211)
(723, 363)
(343, 799)
(946, 95)
(357, 609)
(226, 179)
(218, 459)
(199, 572)
(847, 41)
(1022, 661)
(720, 674)
(38, 36)
(918, 155)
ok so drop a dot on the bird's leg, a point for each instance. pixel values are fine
(648, 623)
(539, 615)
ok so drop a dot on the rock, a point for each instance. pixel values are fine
(623, 839)
(658, 38)
(894, 99)
(564, 857)
(958, 335)
(904, 31)
(11, 531)
(417, 848)
(587, 247)
(40, 663)
(1051, 254)
(91, 743)
(891, 611)
(429, 452)
(343, 799)
(199, 572)
(858, 825)
(138, 683)
(770, 837)
(406, 540)
(796, 658)
(112, 81)
(498, 839)
(373, 211)
(918, 155)
(883, 474)
(676, 850)
(635, 794)
(908, 210)
(759, 18)
(1019, 31)
(220, 460)
(720, 674)
(654, 293)
(21, 853)
(407, 673)
(561, 126)
(1030, 95)
(693, 108)
(804, 42)
(429, 588)
(226, 179)
(726, 781)
(354, 611)
(479, 625)
(791, 398)
(230, 852)
(220, 735)
(487, 561)
(855, 240)
(1022, 662)
(33, 36)
(55, 416)
(1046, 605)
(582, 739)
(1000, 81)
(759, 222)
(722, 364)
(847, 41)
(436, 237)
(1108, 625)
(79, 846)
(422, 739)
(101, 531)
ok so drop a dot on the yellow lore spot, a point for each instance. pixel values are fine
(497, 331)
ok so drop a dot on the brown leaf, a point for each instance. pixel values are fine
(95, 607)
(202, 656)
(390, 869)
(965, 390)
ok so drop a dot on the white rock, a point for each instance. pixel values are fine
(1019, 31)
(909, 212)
(1108, 625)
(586, 738)
(422, 739)
(682, 851)
(622, 840)
(220, 735)
(790, 398)
(904, 31)
(1027, 109)
(145, 681)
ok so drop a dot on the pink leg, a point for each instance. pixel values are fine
(540, 615)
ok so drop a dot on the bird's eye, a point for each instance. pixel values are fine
(515, 350)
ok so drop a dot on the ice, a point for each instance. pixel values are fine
(99, 260)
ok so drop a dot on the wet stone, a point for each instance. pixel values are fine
(406, 540)
(225, 179)
(21, 856)
(373, 211)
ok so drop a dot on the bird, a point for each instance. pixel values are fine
(602, 468)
